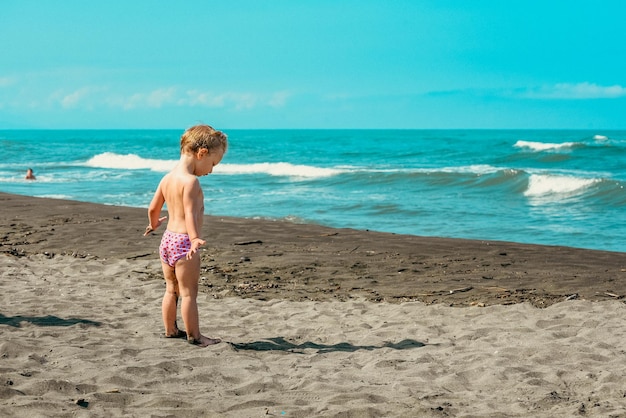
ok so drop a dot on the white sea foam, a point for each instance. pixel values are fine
(279, 169)
(541, 185)
(600, 138)
(135, 162)
(110, 160)
(470, 169)
(544, 146)
(56, 196)
(128, 162)
(15, 179)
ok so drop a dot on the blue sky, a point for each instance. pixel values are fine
(313, 64)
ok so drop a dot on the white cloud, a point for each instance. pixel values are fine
(199, 98)
(560, 91)
(576, 92)
(242, 100)
(130, 102)
(279, 99)
(89, 97)
(7, 81)
(154, 99)
(160, 97)
(74, 99)
(171, 96)
(228, 99)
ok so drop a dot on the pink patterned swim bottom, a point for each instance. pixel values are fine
(173, 247)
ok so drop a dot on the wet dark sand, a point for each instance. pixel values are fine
(270, 259)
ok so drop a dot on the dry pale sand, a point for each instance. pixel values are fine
(316, 322)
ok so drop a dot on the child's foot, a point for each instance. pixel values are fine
(177, 334)
(203, 341)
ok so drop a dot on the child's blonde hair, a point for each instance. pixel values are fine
(202, 136)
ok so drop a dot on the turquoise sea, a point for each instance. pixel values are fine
(554, 187)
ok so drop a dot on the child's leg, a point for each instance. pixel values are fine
(170, 301)
(188, 274)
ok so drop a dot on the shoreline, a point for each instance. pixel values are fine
(265, 259)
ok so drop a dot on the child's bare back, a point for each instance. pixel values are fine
(183, 197)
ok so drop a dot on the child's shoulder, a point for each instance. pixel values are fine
(180, 179)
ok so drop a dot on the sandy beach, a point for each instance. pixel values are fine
(315, 322)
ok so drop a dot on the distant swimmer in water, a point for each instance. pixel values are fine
(30, 175)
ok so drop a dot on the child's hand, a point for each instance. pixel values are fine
(149, 227)
(195, 244)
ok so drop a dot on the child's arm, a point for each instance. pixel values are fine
(193, 206)
(154, 210)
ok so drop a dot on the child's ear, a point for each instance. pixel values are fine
(202, 152)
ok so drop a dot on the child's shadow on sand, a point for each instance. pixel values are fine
(45, 321)
(280, 344)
